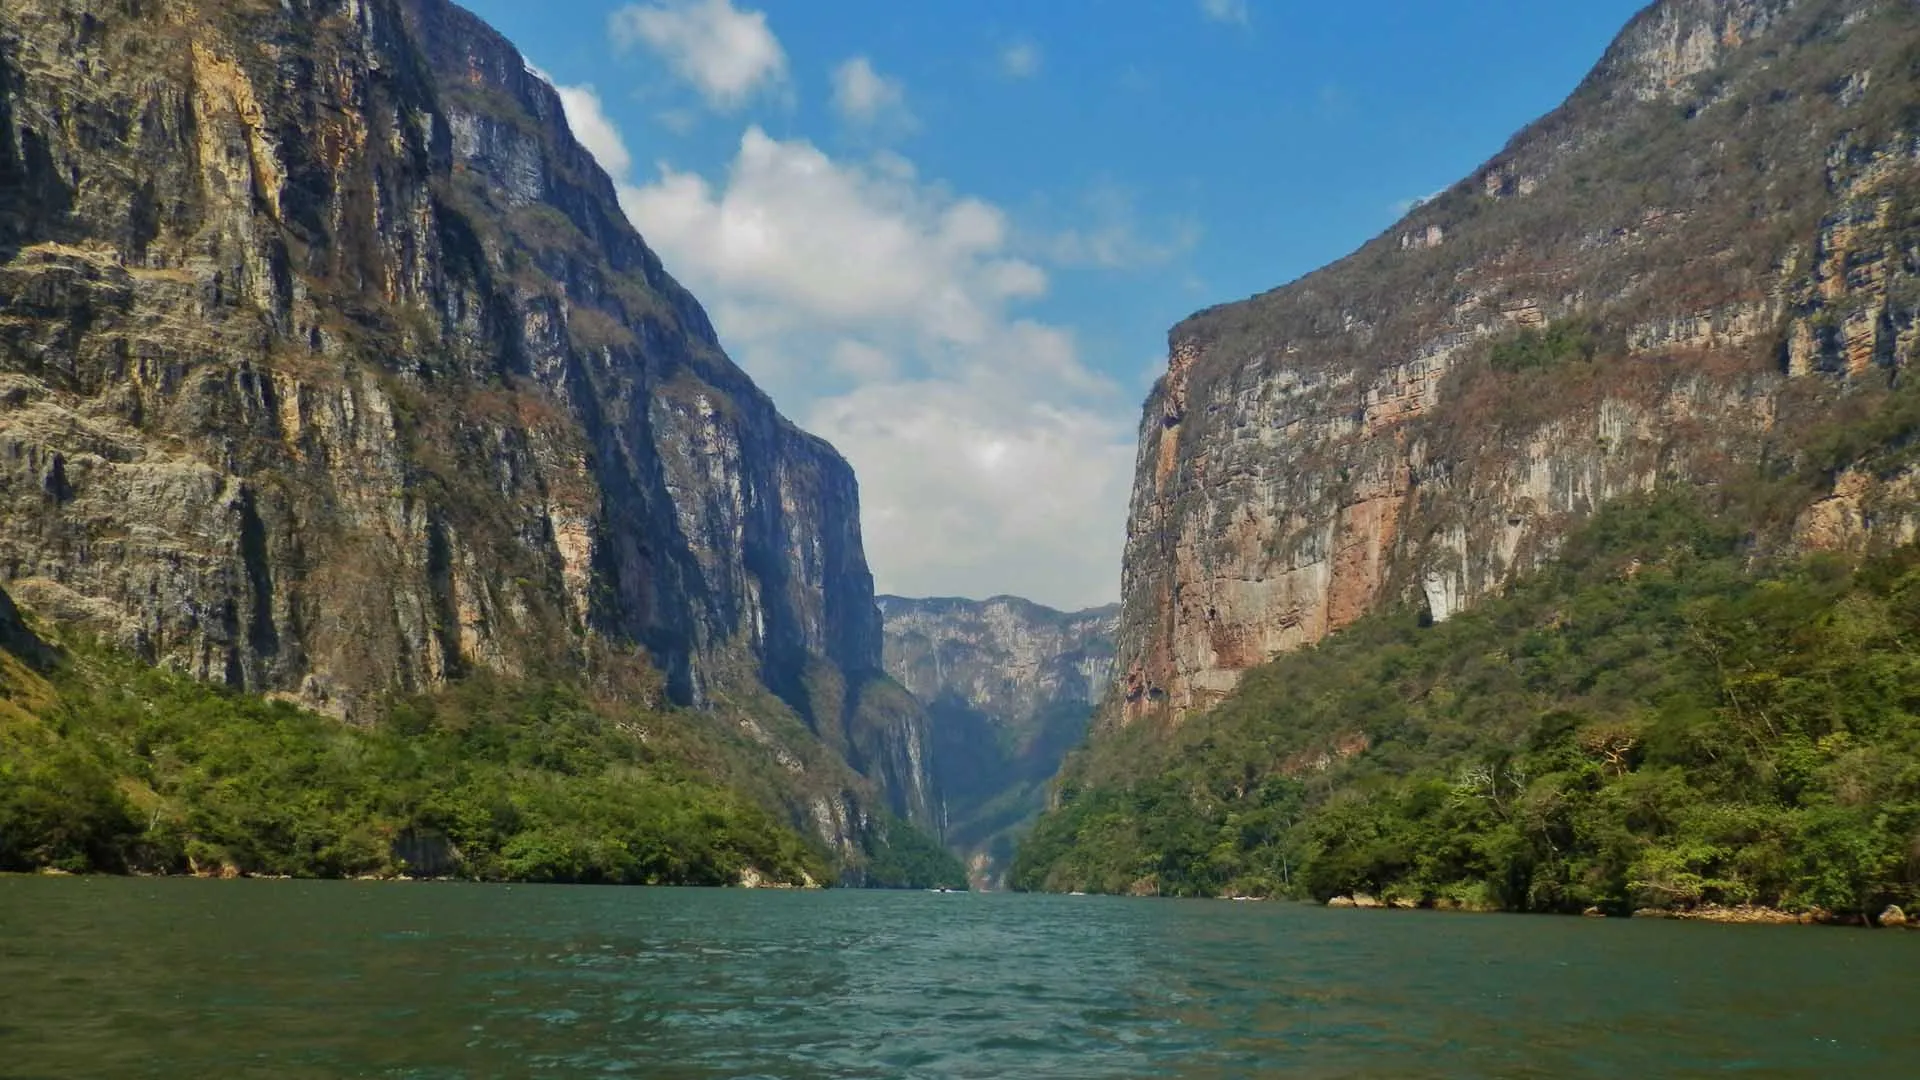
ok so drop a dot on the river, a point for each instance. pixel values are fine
(105, 977)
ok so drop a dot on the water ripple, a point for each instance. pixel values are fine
(173, 979)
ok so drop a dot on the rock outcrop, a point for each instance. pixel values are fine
(1009, 687)
(330, 367)
(1694, 272)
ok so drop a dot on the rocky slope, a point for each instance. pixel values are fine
(329, 367)
(1009, 687)
(1701, 269)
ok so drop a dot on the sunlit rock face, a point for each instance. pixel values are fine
(1009, 687)
(329, 367)
(1683, 275)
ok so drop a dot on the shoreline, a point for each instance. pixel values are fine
(749, 879)
(1892, 918)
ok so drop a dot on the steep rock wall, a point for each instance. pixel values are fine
(329, 366)
(1680, 276)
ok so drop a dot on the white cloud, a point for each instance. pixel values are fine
(595, 132)
(864, 96)
(1226, 11)
(809, 243)
(883, 311)
(863, 362)
(1020, 60)
(978, 489)
(729, 55)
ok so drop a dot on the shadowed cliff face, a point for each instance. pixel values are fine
(16, 638)
(329, 366)
(1684, 275)
(1009, 687)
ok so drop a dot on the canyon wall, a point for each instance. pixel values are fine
(330, 368)
(1692, 273)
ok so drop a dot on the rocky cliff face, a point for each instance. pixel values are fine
(1009, 688)
(1693, 272)
(329, 367)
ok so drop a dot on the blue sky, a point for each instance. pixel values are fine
(950, 237)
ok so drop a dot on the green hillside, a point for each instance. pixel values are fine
(107, 765)
(1661, 720)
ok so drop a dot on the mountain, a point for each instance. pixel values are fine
(1552, 551)
(330, 369)
(1009, 687)
(1691, 272)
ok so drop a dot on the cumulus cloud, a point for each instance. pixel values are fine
(865, 97)
(810, 243)
(1020, 60)
(1226, 11)
(976, 488)
(727, 54)
(885, 313)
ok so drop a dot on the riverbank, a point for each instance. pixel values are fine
(1893, 917)
(750, 878)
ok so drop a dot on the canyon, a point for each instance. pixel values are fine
(1010, 687)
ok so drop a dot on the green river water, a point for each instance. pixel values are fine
(201, 980)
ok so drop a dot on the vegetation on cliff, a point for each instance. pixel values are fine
(1663, 719)
(108, 765)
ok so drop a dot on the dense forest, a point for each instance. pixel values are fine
(107, 765)
(1662, 720)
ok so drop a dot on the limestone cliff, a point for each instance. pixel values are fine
(1009, 688)
(1693, 272)
(329, 366)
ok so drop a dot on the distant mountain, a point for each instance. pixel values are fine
(1009, 687)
